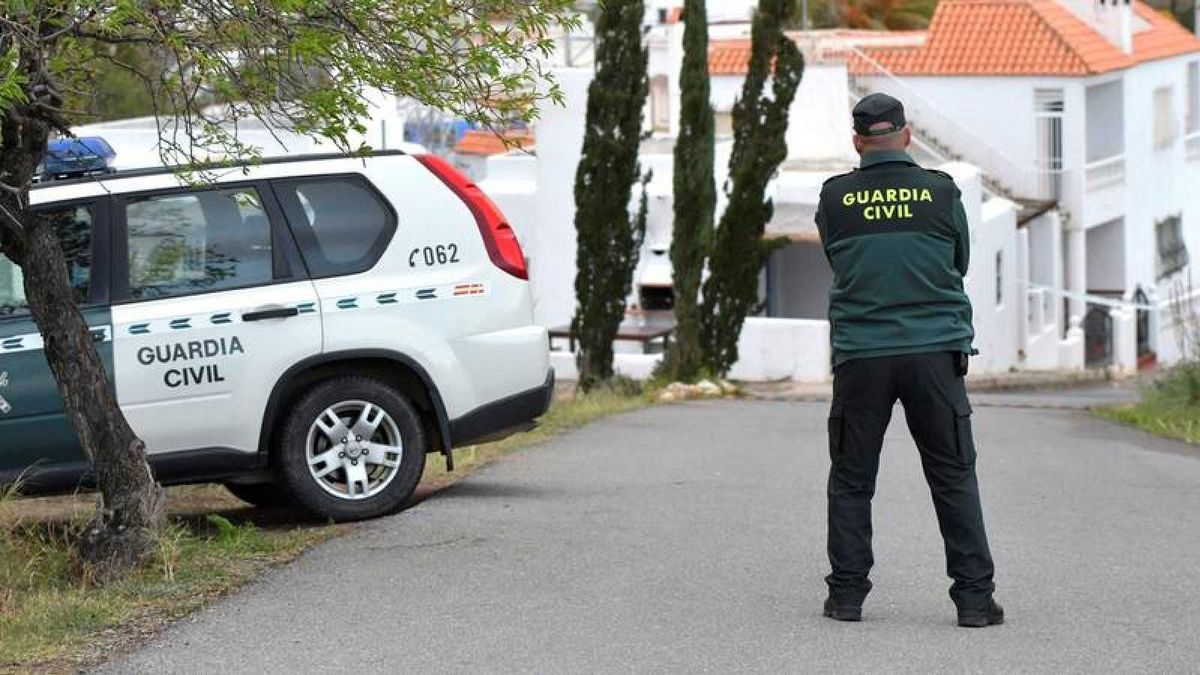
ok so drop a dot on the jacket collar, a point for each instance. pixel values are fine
(881, 156)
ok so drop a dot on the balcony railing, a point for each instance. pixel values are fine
(948, 139)
(1104, 172)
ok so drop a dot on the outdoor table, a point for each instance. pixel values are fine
(645, 333)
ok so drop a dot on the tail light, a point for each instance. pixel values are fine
(498, 236)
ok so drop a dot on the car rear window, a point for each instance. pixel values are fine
(341, 223)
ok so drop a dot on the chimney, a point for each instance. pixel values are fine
(1115, 23)
(1112, 19)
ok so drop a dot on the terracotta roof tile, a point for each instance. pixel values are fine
(1026, 37)
(728, 57)
(483, 142)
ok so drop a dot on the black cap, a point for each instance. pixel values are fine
(876, 108)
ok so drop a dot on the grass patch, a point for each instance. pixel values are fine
(1170, 407)
(54, 619)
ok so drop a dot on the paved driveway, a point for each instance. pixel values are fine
(690, 538)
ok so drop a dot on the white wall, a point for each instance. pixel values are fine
(997, 112)
(798, 282)
(993, 230)
(1105, 120)
(512, 183)
(552, 257)
(1106, 257)
(1161, 181)
(819, 128)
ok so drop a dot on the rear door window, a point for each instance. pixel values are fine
(341, 223)
(73, 225)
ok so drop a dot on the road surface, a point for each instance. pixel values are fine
(690, 538)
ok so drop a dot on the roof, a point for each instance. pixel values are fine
(1029, 37)
(484, 142)
(729, 57)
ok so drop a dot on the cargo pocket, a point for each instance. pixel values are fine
(964, 439)
(836, 423)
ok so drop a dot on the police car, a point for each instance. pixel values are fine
(304, 330)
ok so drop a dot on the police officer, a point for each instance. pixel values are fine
(896, 237)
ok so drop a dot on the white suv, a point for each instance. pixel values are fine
(306, 329)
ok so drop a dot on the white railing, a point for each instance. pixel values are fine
(950, 139)
(1191, 146)
(1104, 173)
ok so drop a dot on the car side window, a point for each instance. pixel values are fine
(186, 243)
(73, 225)
(341, 223)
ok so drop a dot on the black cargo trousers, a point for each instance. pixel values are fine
(939, 417)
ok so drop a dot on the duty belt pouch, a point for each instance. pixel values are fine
(962, 363)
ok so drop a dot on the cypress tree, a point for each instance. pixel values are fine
(609, 239)
(759, 125)
(695, 195)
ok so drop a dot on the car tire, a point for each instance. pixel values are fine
(266, 495)
(350, 449)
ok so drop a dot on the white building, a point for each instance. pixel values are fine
(792, 340)
(1087, 106)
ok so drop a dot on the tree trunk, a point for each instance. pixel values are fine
(609, 241)
(130, 512)
(695, 197)
(759, 147)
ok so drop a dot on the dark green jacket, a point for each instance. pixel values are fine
(896, 236)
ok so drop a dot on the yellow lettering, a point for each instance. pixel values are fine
(905, 194)
(926, 196)
(889, 211)
(869, 213)
(848, 199)
(877, 196)
(907, 212)
(891, 195)
(861, 196)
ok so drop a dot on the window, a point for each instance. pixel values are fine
(1172, 252)
(195, 242)
(999, 278)
(1165, 126)
(73, 226)
(341, 223)
(1048, 116)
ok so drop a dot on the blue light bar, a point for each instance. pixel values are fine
(75, 157)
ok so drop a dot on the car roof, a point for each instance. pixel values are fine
(165, 177)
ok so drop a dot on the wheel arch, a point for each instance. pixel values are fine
(397, 369)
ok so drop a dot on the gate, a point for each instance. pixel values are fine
(1143, 323)
(1098, 337)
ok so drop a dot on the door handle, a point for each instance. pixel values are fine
(280, 313)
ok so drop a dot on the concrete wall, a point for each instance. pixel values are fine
(798, 282)
(552, 257)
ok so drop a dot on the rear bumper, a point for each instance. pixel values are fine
(509, 415)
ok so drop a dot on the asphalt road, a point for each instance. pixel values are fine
(690, 538)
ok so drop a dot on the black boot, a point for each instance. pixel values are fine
(989, 614)
(842, 612)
